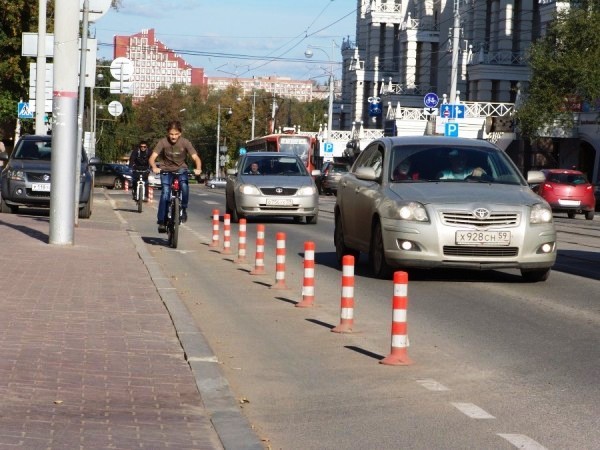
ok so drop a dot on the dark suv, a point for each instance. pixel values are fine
(331, 173)
(25, 180)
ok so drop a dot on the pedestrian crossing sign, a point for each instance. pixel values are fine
(24, 111)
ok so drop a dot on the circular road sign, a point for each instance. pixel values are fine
(121, 68)
(431, 100)
(96, 9)
(115, 108)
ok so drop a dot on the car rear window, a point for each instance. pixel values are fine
(567, 178)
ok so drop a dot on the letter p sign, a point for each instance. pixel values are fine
(451, 129)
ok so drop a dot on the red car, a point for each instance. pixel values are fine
(568, 191)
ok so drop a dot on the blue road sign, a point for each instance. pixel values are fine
(242, 150)
(459, 111)
(23, 111)
(451, 129)
(328, 147)
(431, 100)
(453, 111)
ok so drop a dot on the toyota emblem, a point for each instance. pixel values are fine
(279, 190)
(46, 177)
(481, 213)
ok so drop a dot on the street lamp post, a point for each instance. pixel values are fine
(229, 113)
(309, 54)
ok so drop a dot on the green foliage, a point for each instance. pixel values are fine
(565, 67)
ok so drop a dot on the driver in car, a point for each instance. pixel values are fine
(458, 169)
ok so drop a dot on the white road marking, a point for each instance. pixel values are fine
(211, 202)
(523, 442)
(203, 359)
(432, 385)
(473, 411)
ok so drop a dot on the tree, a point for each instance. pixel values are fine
(565, 68)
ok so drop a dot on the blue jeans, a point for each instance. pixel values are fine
(166, 178)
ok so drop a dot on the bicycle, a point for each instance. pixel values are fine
(174, 211)
(140, 192)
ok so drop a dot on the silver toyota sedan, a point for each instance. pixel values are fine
(271, 184)
(428, 202)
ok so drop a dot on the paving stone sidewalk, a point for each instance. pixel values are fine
(89, 355)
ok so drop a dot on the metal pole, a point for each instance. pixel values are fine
(40, 84)
(217, 165)
(330, 108)
(64, 123)
(81, 98)
(455, 47)
(253, 112)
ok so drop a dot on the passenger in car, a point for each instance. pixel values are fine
(253, 170)
(403, 171)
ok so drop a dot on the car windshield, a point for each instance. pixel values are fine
(567, 178)
(273, 165)
(452, 164)
(40, 150)
(29, 149)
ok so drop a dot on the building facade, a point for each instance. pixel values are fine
(155, 65)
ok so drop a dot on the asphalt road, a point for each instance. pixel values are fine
(498, 363)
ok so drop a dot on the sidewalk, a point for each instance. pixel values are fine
(97, 350)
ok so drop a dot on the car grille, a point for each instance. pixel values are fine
(467, 218)
(494, 252)
(284, 191)
(37, 176)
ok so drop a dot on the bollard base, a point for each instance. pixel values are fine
(306, 303)
(343, 328)
(398, 359)
(279, 285)
(258, 271)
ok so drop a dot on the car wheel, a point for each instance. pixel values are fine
(118, 183)
(7, 209)
(379, 265)
(535, 275)
(235, 217)
(571, 215)
(589, 215)
(86, 211)
(340, 246)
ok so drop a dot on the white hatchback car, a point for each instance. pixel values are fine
(432, 202)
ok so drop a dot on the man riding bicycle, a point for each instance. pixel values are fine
(139, 164)
(173, 151)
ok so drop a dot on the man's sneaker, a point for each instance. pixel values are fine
(184, 215)
(162, 228)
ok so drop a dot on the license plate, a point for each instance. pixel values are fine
(40, 187)
(483, 237)
(562, 202)
(279, 202)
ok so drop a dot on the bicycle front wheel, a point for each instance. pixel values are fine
(140, 197)
(175, 210)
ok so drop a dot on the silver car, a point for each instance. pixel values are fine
(271, 184)
(432, 202)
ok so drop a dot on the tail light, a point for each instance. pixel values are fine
(176, 184)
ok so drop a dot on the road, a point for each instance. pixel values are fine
(498, 363)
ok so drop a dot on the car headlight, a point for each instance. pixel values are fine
(414, 211)
(18, 175)
(307, 190)
(249, 189)
(540, 213)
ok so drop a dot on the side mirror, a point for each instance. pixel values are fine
(366, 173)
(3, 156)
(535, 177)
(94, 160)
(316, 173)
(231, 172)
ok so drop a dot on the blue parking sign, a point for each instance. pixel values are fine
(451, 129)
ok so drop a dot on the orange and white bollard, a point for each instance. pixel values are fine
(308, 283)
(241, 242)
(347, 298)
(150, 193)
(280, 262)
(215, 229)
(226, 235)
(126, 186)
(399, 355)
(259, 260)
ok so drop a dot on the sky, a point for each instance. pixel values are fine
(242, 38)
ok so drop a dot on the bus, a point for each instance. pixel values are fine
(303, 145)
